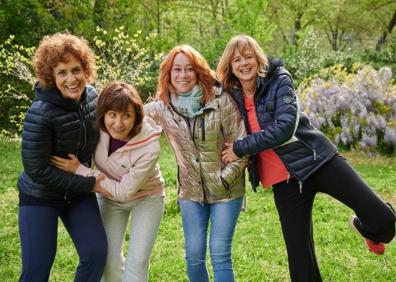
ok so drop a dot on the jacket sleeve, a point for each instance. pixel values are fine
(135, 179)
(233, 128)
(155, 111)
(286, 116)
(36, 152)
(86, 171)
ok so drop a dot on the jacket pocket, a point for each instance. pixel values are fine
(310, 148)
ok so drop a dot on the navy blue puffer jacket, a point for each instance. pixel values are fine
(302, 148)
(57, 126)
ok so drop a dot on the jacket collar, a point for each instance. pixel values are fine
(212, 104)
(54, 96)
(273, 71)
(150, 132)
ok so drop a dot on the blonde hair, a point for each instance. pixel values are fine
(240, 43)
(206, 77)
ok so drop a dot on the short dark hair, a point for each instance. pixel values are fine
(118, 96)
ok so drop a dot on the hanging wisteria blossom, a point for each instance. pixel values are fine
(357, 110)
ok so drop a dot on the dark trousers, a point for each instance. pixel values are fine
(38, 228)
(339, 180)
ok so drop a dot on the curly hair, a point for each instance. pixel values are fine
(57, 48)
(206, 77)
(240, 43)
(118, 96)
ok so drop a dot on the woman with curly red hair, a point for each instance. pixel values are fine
(198, 118)
(60, 122)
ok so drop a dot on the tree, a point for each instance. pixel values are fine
(292, 17)
(28, 20)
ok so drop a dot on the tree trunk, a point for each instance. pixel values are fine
(384, 35)
(158, 18)
(297, 28)
(99, 17)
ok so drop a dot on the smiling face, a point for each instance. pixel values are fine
(244, 66)
(119, 124)
(183, 75)
(70, 78)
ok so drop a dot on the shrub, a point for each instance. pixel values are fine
(385, 57)
(356, 110)
(122, 57)
(16, 93)
(305, 59)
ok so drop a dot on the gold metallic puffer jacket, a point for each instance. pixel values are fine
(202, 176)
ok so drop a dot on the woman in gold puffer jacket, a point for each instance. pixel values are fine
(198, 118)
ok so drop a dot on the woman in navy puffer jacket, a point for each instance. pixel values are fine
(297, 160)
(60, 122)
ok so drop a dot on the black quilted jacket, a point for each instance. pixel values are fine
(57, 126)
(302, 148)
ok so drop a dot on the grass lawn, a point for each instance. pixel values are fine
(258, 252)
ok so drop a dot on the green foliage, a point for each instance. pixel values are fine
(385, 57)
(306, 59)
(208, 25)
(28, 19)
(16, 93)
(123, 57)
(259, 252)
(243, 17)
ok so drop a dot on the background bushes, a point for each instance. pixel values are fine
(130, 37)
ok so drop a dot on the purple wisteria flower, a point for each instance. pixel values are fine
(353, 109)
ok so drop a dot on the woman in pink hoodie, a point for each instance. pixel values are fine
(127, 154)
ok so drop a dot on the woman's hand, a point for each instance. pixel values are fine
(228, 154)
(99, 189)
(68, 165)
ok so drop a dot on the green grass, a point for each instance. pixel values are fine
(258, 251)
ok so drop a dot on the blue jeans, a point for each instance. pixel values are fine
(223, 217)
(38, 231)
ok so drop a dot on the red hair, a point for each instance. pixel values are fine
(57, 48)
(206, 77)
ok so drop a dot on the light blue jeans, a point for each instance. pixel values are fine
(223, 217)
(145, 215)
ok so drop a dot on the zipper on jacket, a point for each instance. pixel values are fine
(288, 177)
(309, 147)
(300, 186)
(80, 109)
(202, 126)
(203, 190)
(65, 196)
(193, 128)
(83, 131)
